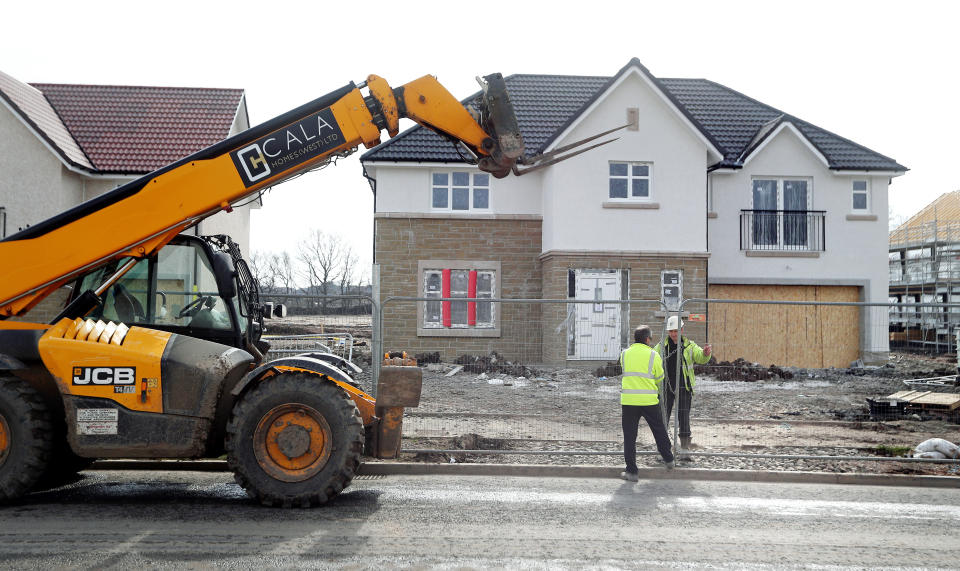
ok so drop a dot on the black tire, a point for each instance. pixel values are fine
(25, 438)
(303, 415)
(64, 466)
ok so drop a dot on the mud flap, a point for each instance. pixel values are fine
(397, 388)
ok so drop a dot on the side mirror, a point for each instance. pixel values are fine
(226, 275)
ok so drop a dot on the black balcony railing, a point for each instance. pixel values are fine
(782, 230)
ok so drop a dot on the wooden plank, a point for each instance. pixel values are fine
(937, 401)
(908, 396)
(928, 399)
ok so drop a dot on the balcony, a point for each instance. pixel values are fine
(782, 230)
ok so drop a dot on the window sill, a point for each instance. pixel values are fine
(867, 217)
(625, 204)
(780, 254)
(457, 332)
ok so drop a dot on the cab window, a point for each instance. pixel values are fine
(186, 290)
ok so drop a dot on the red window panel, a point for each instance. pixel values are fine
(472, 293)
(445, 292)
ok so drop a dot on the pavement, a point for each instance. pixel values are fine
(383, 468)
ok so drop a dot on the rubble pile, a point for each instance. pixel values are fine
(611, 369)
(740, 370)
(492, 363)
(427, 358)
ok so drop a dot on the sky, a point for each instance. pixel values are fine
(883, 74)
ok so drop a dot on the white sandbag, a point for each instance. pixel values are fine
(945, 447)
(931, 454)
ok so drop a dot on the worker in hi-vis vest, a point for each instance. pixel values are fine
(681, 392)
(639, 397)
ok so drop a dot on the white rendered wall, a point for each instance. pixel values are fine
(574, 192)
(35, 184)
(406, 189)
(855, 251)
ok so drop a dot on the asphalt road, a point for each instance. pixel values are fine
(135, 519)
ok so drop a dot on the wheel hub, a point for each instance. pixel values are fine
(292, 442)
(4, 439)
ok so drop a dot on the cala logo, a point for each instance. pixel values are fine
(104, 375)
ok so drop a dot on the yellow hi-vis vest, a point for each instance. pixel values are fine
(642, 375)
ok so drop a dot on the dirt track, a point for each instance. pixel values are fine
(816, 412)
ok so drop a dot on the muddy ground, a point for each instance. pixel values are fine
(529, 413)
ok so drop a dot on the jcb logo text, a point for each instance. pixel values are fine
(104, 375)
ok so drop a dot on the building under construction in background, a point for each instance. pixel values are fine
(925, 268)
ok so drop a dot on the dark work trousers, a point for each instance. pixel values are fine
(686, 397)
(631, 422)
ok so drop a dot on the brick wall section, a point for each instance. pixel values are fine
(644, 276)
(402, 242)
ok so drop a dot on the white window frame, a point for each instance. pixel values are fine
(472, 186)
(436, 329)
(781, 220)
(630, 177)
(865, 192)
(780, 180)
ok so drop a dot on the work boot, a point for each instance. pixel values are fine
(670, 465)
(629, 476)
(684, 454)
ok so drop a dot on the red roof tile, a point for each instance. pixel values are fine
(131, 129)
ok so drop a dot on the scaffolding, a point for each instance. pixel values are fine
(924, 262)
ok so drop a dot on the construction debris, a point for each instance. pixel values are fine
(740, 370)
(611, 369)
(937, 448)
(427, 358)
(492, 363)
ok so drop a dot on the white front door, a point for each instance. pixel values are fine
(598, 324)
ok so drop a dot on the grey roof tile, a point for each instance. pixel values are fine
(546, 104)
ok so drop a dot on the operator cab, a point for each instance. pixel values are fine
(198, 286)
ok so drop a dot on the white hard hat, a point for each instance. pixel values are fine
(672, 323)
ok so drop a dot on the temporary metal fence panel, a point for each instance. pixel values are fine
(538, 370)
(538, 376)
(339, 324)
(802, 379)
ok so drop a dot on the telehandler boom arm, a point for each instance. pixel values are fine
(142, 216)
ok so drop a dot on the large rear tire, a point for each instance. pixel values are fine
(294, 441)
(25, 438)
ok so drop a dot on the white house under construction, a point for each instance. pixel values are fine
(925, 269)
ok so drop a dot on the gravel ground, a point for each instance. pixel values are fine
(493, 405)
(815, 412)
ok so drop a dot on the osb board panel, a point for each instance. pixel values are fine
(928, 399)
(786, 335)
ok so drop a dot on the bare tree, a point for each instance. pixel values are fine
(261, 270)
(321, 255)
(283, 272)
(348, 269)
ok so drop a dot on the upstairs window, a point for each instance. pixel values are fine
(630, 181)
(861, 196)
(460, 191)
(3, 222)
